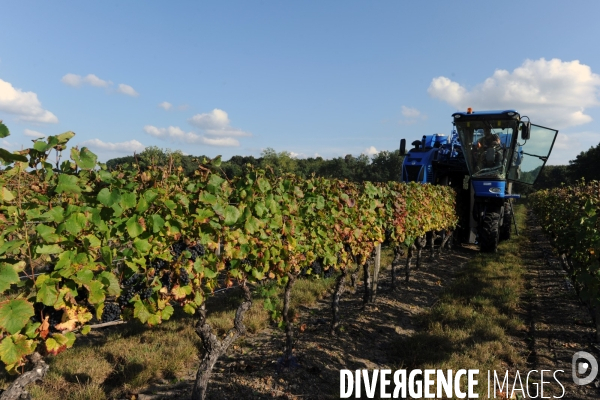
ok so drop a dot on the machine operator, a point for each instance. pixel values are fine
(484, 158)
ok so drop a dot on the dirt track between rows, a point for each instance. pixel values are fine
(559, 324)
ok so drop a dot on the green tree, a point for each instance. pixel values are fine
(281, 162)
(553, 176)
(586, 165)
(385, 166)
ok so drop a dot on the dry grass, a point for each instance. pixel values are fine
(121, 361)
(306, 292)
(255, 320)
(470, 326)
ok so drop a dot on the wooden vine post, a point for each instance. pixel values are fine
(377, 264)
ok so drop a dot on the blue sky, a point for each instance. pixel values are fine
(312, 77)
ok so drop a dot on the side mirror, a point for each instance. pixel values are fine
(525, 130)
(402, 147)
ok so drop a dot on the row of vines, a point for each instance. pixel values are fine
(569, 215)
(80, 244)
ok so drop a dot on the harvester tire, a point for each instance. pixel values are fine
(489, 233)
(506, 223)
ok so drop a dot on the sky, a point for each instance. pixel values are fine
(312, 78)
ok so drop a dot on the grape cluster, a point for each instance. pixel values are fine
(112, 312)
(159, 264)
(178, 248)
(166, 280)
(388, 235)
(146, 293)
(197, 250)
(133, 280)
(133, 285)
(126, 296)
(184, 278)
(316, 267)
(246, 263)
(329, 272)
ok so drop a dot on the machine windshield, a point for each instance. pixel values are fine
(486, 145)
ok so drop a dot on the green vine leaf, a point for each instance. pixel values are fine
(84, 159)
(14, 315)
(108, 198)
(134, 228)
(3, 130)
(14, 348)
(9, 275)
(68, 184)
(232, 214)
(141, 312)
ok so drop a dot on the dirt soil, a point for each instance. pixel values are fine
(559, 326)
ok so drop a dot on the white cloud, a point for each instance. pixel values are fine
(214, 126)
(553, 93)
(293, 154)
(176, 134)
(72, 80)
(216, 123)
(370, 151)
(91, 79)
(165, 105)
(411, 116)
(126, 89)
(33, 134)
(410, 112)
(568, 146)
(225, 142)
(215, 119)
(95, 81)
(173, 133)
(121, 147)
(25, 105)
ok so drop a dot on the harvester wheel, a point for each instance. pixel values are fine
(489, 233)
(506, 223)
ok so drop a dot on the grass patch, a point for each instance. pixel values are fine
(470, 326)
(306, 292)
(121, 361)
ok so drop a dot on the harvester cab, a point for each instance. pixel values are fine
(487, 152)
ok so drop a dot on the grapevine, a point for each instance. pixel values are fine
(81, 244)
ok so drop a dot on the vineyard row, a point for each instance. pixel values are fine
(96, 244)
(569, 214)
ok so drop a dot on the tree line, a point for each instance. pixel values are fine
(384, 166)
